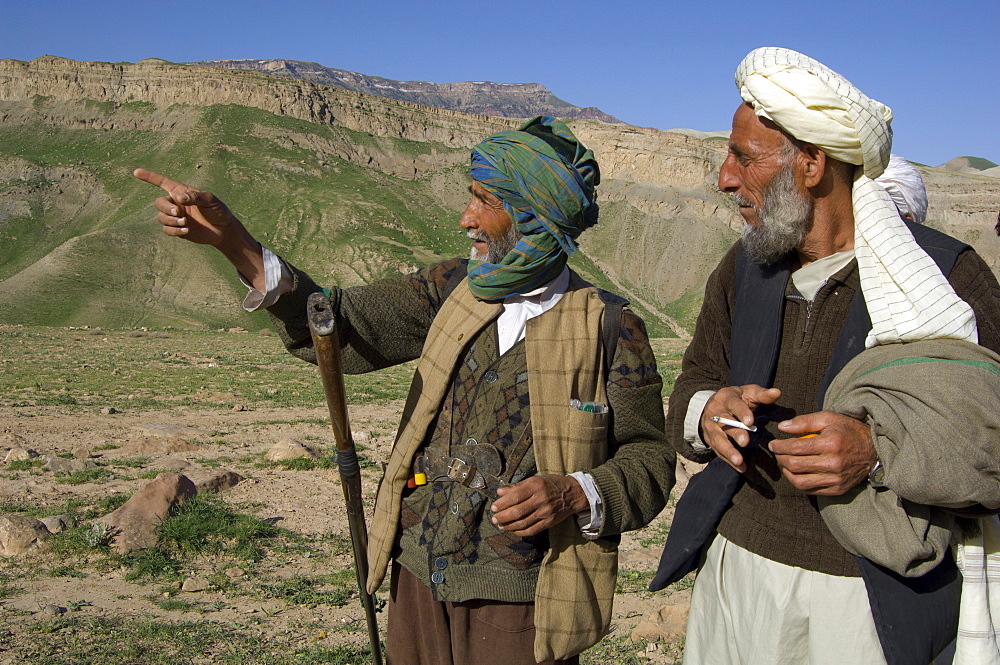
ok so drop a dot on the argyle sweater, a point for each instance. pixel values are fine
(388, 322)
(446, 539)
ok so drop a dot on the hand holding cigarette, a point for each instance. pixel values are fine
(733, 423)
(726, 432)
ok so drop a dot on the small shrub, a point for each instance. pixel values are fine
(67, 571)
(98, 534)
(303, 590)
(106, 505)
(153, 473)
(631, 581)
(172, 604)
(94, 475)
(7, 589)
(56, 400)
(299, 464)
(131, 462)
(26, 464)
(206, 523)
(151, 564)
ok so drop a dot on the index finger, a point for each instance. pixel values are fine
(159, 180)
(795, 445)
(511, 495)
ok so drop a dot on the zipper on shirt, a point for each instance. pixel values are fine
(809, 308)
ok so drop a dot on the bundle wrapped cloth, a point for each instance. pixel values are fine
(935, 424)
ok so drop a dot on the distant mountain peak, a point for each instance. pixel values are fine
(508, 100)
(974, 165)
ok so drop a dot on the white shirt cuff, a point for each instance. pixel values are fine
(692, 419)
(589, 521)
(278, 280)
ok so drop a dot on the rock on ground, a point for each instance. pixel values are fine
(19, 534)
(287, 449)
(134, 522)
(19, 454)
(219, 481)
(158, 445)
(194, 584)
(58, 523)
(66, 465)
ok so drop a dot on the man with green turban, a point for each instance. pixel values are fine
(533, 433)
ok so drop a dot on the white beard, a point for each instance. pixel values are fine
(785, 219)
(496, 249)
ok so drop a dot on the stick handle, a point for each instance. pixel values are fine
(323, 328)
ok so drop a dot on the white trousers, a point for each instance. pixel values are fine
(749, 610)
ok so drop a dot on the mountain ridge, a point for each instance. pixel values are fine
(509, 100)
(350, 187)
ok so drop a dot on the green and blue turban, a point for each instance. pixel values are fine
(545, 179)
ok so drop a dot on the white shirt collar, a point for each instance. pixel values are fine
(546, 295)
(519, 309)
(810, 279)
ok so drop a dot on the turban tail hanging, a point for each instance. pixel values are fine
(908, 297)
(545, 179)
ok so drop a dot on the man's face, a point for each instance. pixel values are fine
(488, 225)
(759, 172)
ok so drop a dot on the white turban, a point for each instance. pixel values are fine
(908, 297)
(902, 181)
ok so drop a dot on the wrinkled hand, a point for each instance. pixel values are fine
(735, 403)
(190, 213)
(538, 503)
(832, 462)
(200, 217)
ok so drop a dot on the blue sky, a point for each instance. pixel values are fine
(658, 64)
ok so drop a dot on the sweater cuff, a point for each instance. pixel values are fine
(278, 280)
(696, 405)
(589, 521)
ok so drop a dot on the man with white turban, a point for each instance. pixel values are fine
(826, 268)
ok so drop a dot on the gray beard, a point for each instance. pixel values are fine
(785, 219)
(495, 249)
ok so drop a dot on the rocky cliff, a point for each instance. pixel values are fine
(165, 84)
(353, 185)
(511, 100)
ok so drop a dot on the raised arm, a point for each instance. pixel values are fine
(200, 217)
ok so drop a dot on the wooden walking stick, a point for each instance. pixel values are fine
(323, 328)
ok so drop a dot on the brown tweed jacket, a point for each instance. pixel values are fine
(564, 355)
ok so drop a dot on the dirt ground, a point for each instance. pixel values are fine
(307, 502)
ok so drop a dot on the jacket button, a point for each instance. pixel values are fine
(454, 508)
(440, 563)
(491, 376)
(437, 577)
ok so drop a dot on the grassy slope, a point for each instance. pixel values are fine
(78, 244)
(980, 163)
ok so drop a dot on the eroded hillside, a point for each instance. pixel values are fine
(351, 187)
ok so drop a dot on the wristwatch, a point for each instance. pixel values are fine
(876, 477)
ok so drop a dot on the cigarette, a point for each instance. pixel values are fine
(733, 423)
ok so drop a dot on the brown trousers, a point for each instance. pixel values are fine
(424, 631)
